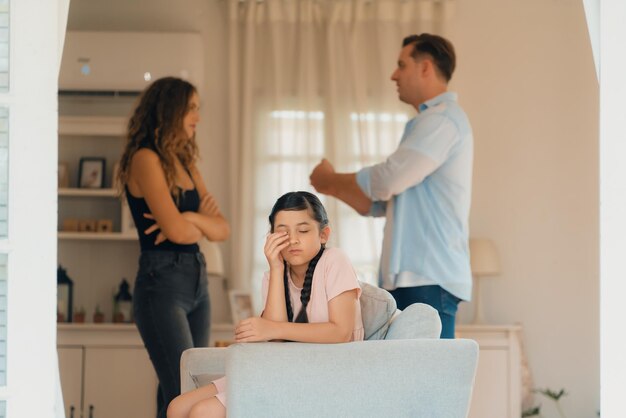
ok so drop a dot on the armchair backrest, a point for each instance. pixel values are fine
(382, 319)
(422, 378)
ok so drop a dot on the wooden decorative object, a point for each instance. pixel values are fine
(88, 225)
(104, 225)
(70, 224)
(64, 175)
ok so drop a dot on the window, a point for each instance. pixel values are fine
(4, 171)
(291, 143)
(4, 197)
(4, 46)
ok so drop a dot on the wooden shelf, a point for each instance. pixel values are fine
(75, 192)
(96, 236)
(92, 125)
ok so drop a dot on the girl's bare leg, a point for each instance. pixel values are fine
(208, 408)
(181, 406)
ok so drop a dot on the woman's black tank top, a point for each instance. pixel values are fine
(189, 201)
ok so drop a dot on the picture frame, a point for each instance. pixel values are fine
(241, 306)
(91, 172)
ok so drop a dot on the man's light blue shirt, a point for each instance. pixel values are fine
(424, 188)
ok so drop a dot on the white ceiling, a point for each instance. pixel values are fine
(138, 15)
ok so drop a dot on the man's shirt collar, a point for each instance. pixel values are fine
(443, 97)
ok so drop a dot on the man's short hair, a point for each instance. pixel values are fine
(438, 48)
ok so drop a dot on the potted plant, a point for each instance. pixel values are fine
(98, 315)
(118, 317)
(554, 396)
(79, 315)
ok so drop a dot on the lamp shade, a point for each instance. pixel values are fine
(483, 257)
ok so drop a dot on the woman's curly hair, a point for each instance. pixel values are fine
(157, 124)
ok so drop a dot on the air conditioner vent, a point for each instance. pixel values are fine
(98, 93)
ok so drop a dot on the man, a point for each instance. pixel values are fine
(423, 188)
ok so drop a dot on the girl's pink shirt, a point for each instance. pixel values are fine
(333, 275)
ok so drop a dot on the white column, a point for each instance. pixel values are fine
(32, 378)
(612, 207)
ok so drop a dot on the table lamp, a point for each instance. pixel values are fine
(484, 262)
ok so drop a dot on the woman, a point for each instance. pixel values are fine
(172, 210)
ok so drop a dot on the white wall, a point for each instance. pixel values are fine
(526, 77)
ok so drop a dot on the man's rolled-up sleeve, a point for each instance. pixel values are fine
(403, 169)
(424, 149)
(378, 208)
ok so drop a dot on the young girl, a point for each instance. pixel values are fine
(172, 210)
(311, 294)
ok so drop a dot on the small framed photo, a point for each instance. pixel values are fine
(91, 172)
(240, 305)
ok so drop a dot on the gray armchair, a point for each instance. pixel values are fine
(402, 369)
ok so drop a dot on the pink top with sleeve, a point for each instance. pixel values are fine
(333, 275)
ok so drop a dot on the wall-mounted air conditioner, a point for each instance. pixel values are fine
(122, 62)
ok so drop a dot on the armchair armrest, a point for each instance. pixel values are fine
(200, 366)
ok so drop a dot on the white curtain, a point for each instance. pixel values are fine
(311, 79)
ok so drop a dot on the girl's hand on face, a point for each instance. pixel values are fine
(208, 206)
(155, 227)
(274, 244)
(254, 329)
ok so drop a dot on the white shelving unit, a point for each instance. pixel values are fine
(95, 261)
(95, 355)
(94, 236)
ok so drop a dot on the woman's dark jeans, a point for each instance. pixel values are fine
(445, 303)
(172, 311)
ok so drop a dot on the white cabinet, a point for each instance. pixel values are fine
(119, 382)
(106, 371)
(497, 388)
(71, 364)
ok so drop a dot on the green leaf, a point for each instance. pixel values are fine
(551, 394)
(531, 412)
